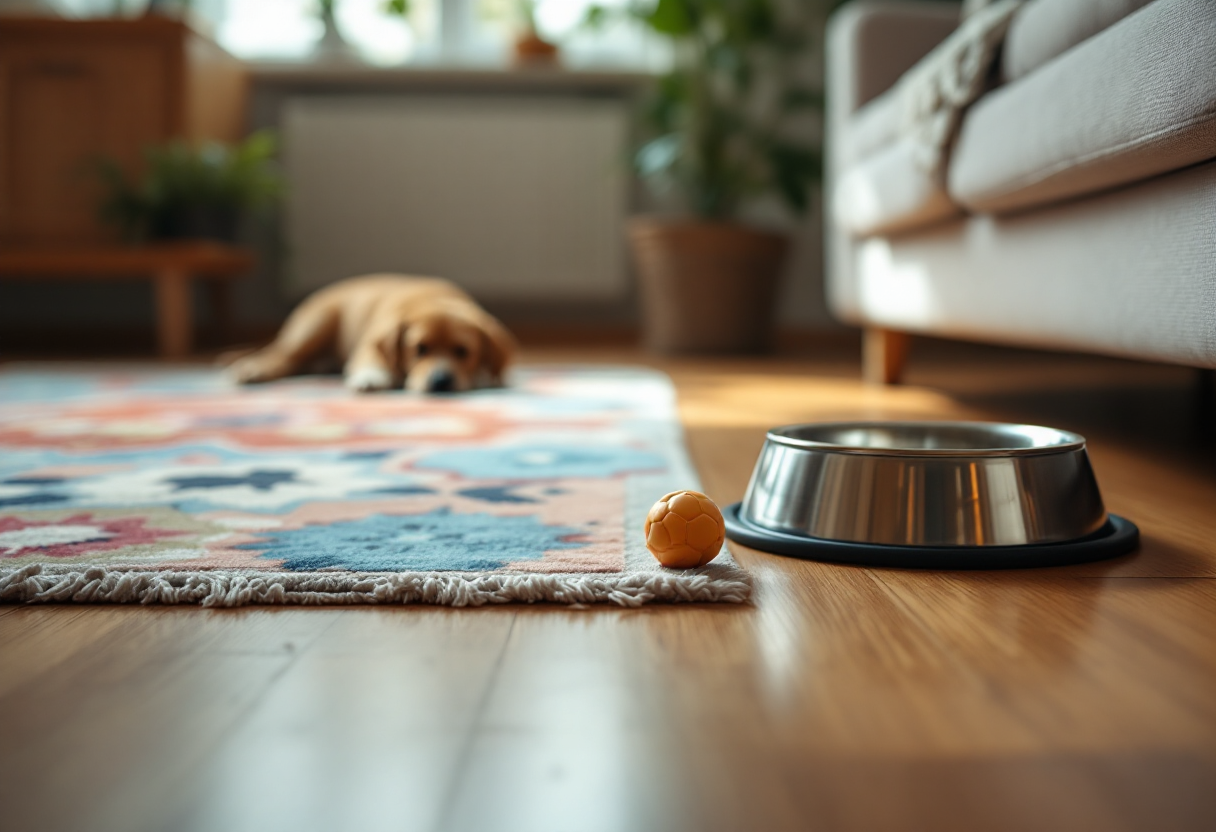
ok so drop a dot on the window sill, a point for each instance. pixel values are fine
(337, 76)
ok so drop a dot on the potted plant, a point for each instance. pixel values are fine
(722, 135)
(191, 191)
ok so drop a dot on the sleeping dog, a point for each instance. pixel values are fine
(388, 331)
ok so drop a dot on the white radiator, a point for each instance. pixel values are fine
(515, 199)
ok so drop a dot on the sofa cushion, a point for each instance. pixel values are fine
(1044, 29)
(890, 191)
(1136, 100)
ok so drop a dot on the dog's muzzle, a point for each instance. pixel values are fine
(441, 380)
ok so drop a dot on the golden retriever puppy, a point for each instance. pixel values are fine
(389, 330)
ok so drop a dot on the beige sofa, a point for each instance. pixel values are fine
(1074, 204)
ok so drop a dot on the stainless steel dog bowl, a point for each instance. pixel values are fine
(956, 488)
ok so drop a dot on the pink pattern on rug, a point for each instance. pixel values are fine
(74, 536)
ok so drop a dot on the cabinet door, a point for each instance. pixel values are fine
(64, 104)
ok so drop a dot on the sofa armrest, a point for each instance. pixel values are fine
(871, 43)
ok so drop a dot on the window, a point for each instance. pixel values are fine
(491, 25)
(287, 29)
(476, 32)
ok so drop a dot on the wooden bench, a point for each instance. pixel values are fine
(171, 267)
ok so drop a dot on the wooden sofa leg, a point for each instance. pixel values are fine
(884, 353)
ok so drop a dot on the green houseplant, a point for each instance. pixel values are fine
(191, 191)
(734, 123)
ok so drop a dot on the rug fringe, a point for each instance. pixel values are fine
(37, 584)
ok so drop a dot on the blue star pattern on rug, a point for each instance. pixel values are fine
(257, 479)
(433, 542)
(32, 491)
(495, 494)
(542, 462)
(267, 482)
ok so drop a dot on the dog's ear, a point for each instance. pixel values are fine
(498, 346)
(390, 340)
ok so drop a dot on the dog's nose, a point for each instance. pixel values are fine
(441, 381)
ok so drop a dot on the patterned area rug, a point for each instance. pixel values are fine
(176, 487)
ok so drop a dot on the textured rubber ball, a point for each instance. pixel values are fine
(685, 529)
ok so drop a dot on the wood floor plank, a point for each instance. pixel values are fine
(96, 743)
(585, 728)
(830, 663)
(693, 712)
(1174, 506)
(542, 780)
(1078, 661)
(1006, 793)
(366, 730)
(34, 640)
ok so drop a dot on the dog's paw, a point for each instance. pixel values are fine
(367, 379)
(229, 357)
(253, 369)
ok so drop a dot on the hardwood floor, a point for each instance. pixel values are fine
(1080, 698)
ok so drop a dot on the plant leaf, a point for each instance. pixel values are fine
(672, 17)
(595, 17)
(794, 168)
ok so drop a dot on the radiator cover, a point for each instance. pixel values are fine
(515, 199)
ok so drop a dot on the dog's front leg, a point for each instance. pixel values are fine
(367, 369)
(264, 365)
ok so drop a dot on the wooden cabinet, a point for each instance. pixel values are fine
(72, 92)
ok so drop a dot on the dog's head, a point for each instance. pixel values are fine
(449, 348)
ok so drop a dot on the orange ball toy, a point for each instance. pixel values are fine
(685, 529)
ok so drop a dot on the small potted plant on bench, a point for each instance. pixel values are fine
(191, 191)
